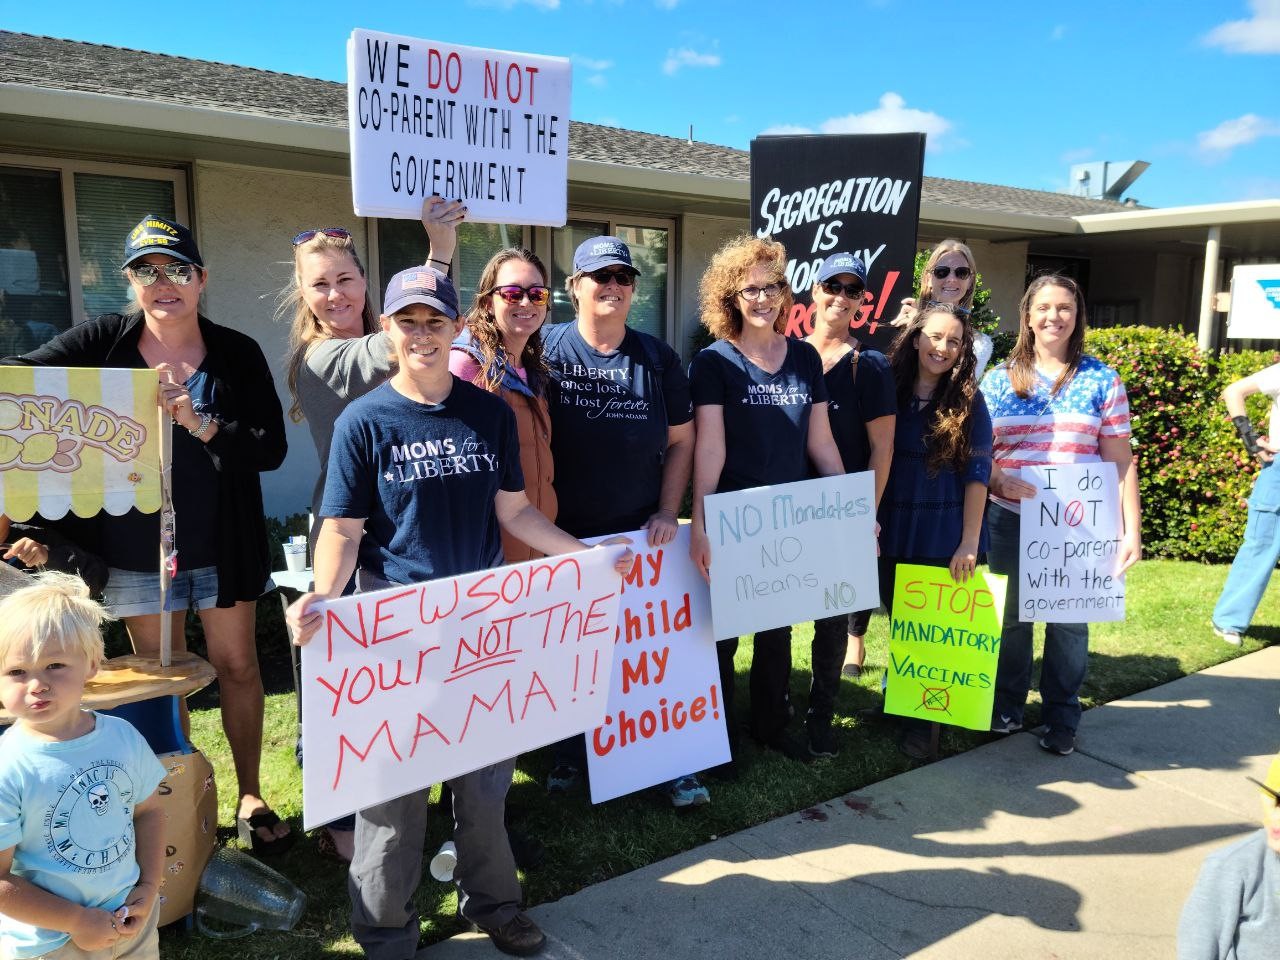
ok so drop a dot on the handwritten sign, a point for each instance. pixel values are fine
(944, 645)
(487, 127)
(83, 440)
(1070, 545)
(412, 685)
(819, 194)
(792, 552)
(666, 712)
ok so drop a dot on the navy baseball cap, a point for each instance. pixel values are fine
(602, 252)
(839, 263)
(161, 235)
(421, 285)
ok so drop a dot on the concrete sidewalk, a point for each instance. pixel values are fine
(1002, 852)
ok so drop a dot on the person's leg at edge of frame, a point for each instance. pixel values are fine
(1013, 674)
(488, 890)
(830, 638)
(856, 650)
(1062, 673)
(1255, 560)
(385, 874)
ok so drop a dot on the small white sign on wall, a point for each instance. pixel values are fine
(1255, 302)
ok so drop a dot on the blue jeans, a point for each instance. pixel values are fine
(1066, 645)
(1257, 556)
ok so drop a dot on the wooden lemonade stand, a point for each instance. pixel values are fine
(148, 693)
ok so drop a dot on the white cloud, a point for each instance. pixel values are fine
(891, 116)
(785, 129)
(665, 4)
(1059, 31)
(597, 79)
(586, 63)
(1217, 144)
(684, 57)
(1259, 34)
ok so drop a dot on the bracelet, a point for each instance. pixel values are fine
(444, 263)
(200, 431)
(1244, 427)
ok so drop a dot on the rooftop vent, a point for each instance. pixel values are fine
(1104, 179)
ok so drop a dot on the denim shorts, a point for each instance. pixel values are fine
(130, 593)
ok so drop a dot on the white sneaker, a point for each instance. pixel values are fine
(1230, 636)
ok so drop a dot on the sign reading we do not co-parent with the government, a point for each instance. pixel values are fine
(1070, 545)
(792, 552)
(487, 127)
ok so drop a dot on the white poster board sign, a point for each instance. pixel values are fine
(487, 127)
(1255, 302)
(792, 552)
(666, 710)
(1069, 538)
(412, 685)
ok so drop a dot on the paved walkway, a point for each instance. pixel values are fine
(1002, 852)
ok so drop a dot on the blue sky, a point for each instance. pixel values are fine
(1009, 93)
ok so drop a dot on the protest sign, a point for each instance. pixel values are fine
(944, 645)
(84, 440)
(792, 552)
(412, 685)
(1069, 538)
(860, 193)
(487, 127)
(666, 713)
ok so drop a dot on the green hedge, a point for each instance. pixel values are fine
(1193, 472)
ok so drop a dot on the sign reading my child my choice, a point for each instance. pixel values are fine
(412, 685)
(1070, 542)
(666, 712)
(819, 194)
(944, 646)
(792, 552)
(487, 127)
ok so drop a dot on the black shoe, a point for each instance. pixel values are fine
(916, 743)
(822, 740)
(874, 714)
(788, 746)
(519, 936)
(1061, 742)
(851, 670)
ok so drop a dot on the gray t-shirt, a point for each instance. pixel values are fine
(334, 373)
(1233, 912)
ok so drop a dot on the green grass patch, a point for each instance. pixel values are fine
(1166, 636)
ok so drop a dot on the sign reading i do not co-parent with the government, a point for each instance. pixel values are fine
(1070, 545)
(792, 552)
(487, 127)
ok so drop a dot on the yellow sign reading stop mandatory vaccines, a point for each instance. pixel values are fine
(944, 646)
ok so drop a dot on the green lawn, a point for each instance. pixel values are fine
(1166, 636)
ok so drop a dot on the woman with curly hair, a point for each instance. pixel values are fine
(933, 506)
(1051, 403)
(760, 415)
(950, 276)
(501, 351)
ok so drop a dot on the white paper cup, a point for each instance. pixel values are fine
(295, 556)
(444, 862)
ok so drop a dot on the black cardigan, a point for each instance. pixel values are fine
(250, 439)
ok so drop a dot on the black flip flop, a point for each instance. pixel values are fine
(247, 829)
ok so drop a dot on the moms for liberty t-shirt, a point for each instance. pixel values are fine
(766, 415)
(609, 418)
(424, 477)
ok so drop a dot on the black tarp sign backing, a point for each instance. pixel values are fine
(819, 194)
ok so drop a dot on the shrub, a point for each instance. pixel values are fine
(1193, 472)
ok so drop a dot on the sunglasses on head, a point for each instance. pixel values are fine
(338, 233)
(1271, 793)
(955, 308)
(624, 278)
(853, 291)
(513, 293)
(962, 273)
(178, 273)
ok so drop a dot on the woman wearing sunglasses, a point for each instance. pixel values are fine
(622, 434)
(501, 351)
(217, 387)
(760, 405)
(862, 410)
(950, 276)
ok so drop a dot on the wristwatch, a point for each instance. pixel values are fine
(200, 431)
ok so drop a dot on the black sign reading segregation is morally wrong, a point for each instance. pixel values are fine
(819, 194)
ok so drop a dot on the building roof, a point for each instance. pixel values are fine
(57, 64)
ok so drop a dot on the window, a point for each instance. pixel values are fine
(403, 243)
(62, 232)
(649, 242)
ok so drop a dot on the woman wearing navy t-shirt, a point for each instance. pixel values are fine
(933, 506)
(760, 415)
(392, 521)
